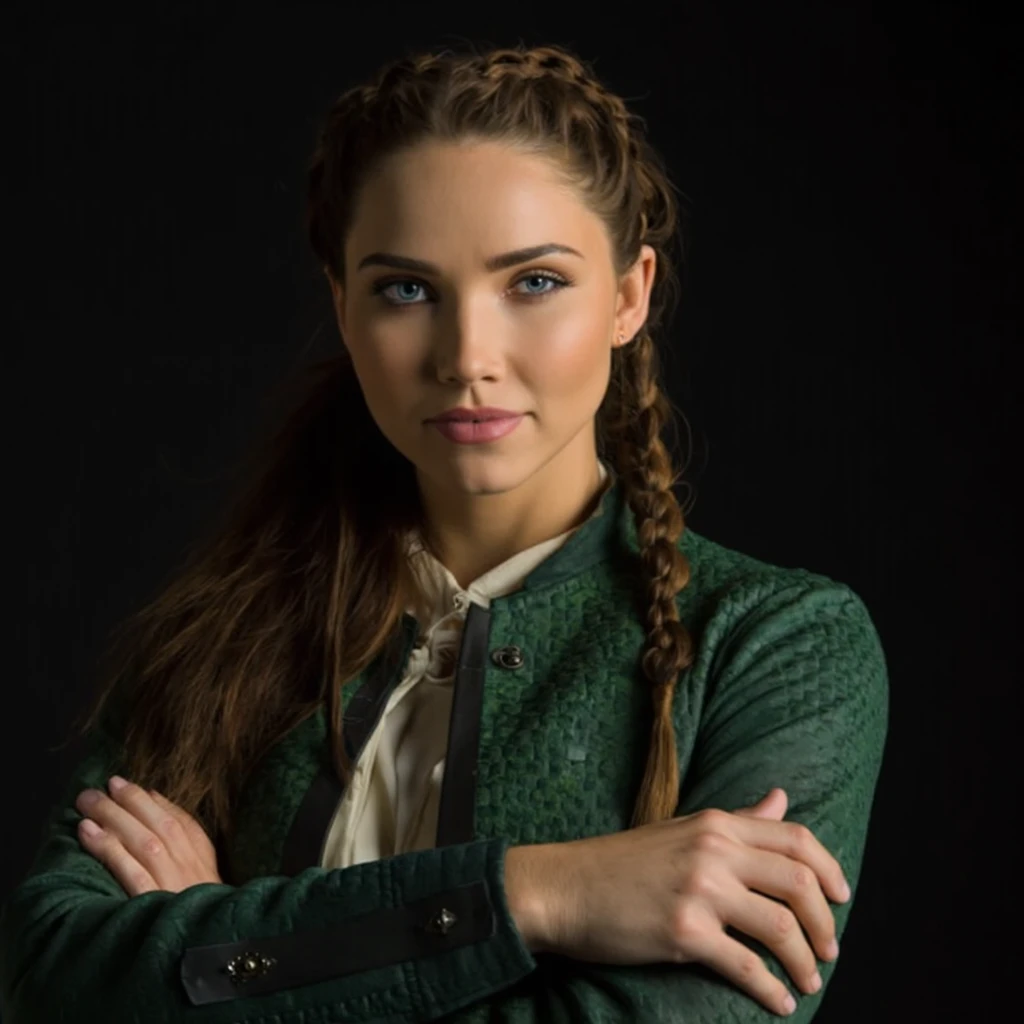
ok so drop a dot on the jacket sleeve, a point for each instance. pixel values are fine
(367, 942)
(797, 697)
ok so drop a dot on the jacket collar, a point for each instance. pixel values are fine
(607, 535)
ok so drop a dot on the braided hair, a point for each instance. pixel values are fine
(303, 584)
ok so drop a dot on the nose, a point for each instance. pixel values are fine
(469, 350)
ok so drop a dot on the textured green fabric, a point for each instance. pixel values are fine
(788, 688)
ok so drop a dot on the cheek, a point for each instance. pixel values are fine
(572, 359)
(386, 369)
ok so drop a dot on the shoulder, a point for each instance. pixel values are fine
(732, 583)
(743, 610)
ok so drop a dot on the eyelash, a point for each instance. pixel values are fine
(380, 286)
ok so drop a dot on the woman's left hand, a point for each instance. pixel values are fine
(146, 842)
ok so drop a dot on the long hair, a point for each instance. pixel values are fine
(300, 587)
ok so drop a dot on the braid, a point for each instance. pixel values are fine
(638, 410)
(551, 101)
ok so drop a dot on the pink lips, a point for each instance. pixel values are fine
(468, 432)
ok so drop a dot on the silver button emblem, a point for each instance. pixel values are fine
(249, 965)
(510, 657)
(441, 922)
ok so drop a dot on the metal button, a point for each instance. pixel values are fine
(249, 965)
(508, 657)
(442, 921)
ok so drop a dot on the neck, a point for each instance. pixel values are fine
(490, 513)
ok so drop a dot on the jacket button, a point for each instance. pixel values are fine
(442, 921)
(508, 657)
(248, 966)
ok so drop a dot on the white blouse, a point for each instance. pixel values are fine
(391, 805)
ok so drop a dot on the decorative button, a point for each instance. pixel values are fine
(441, 922)
(247, 966)
(508, 657)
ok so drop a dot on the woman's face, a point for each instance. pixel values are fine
(532, 334)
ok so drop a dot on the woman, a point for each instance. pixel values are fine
(452, 717)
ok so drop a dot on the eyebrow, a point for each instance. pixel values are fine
(499, 262)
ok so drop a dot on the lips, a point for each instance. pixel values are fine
(481, 415)
(477, 431)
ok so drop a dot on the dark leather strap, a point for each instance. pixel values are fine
(456, 811)
(426, 927)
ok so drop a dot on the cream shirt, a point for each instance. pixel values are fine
(391, 805)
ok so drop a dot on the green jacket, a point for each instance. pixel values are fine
(549, 733)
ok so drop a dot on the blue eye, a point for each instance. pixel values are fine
(549, 278)
(383, 287)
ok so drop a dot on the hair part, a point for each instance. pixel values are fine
(301, 586)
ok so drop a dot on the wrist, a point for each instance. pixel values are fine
(530, 894)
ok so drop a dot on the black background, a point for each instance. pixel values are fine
(842, 354)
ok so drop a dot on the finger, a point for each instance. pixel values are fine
(110, 852)
(747, 971)
(112, 817)
(776, 926)
(776, 875)
(189, 825)
(140, 826)
(797, 842)
(772, 805)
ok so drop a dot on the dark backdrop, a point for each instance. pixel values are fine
(842, 355)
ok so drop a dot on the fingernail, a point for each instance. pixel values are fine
(789, 1005)
(844, 893)
(815, 982)
(117, 783)
(832, 950)
(90, 828)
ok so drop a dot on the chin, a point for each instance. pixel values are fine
(483, 479)
(476, 472)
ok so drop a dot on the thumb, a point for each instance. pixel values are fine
(772, 805)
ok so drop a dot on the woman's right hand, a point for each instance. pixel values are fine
(667, 891)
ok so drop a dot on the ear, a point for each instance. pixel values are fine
(634, 296)
(337, 300)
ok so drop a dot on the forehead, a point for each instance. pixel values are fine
(440, 195)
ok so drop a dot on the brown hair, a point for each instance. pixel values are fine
(302, 585)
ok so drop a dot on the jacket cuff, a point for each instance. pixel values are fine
(449, 924)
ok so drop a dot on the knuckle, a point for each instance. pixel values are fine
(686, 924)
(152, 847)
(783, 923)
(170, 826)
(712, 818)
(801, 837)
(802, 879)
(700, 882)
(712, 843)
(748, 967)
